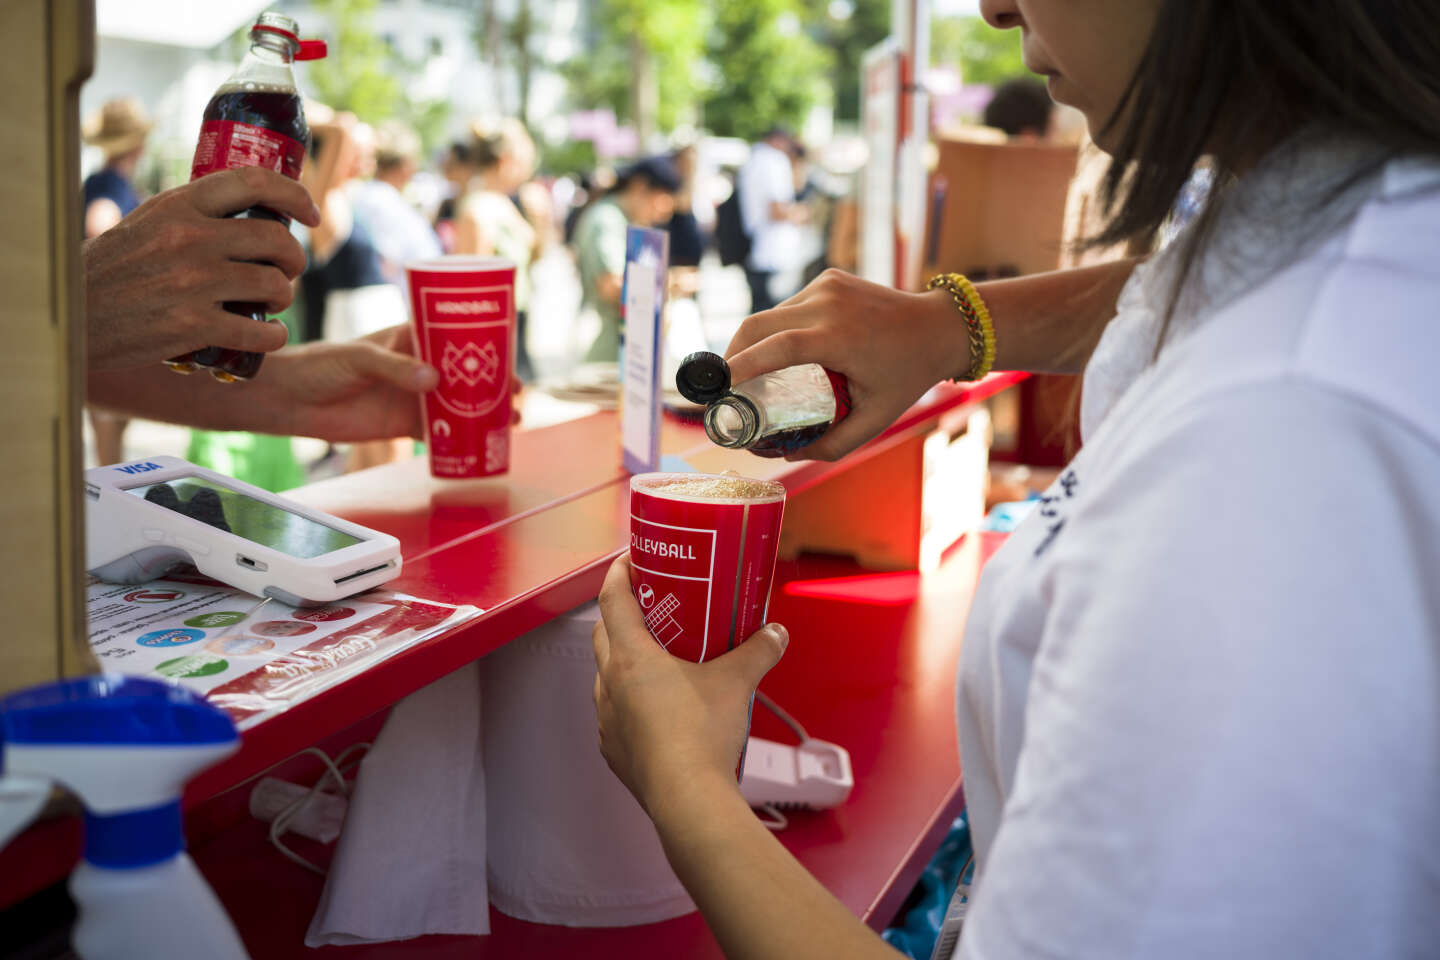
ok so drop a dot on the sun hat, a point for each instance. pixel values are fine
(118, 127)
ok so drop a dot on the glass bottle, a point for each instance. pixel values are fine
(771, 415)
(256, 118)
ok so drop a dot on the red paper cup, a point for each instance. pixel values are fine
(702, 556)
(464, 314)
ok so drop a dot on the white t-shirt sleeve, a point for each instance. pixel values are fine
(767, 179)
(1232, 736)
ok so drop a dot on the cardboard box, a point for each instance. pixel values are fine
(997, 209)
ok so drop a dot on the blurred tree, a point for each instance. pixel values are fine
(849, 28)
(359, 75)
(984, 54)
(768, 71)
(643, 61)
(364, 76)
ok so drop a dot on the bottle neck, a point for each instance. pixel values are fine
(732, 421)
(268, 64)
(272, 48)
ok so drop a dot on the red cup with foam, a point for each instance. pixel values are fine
(702, 557)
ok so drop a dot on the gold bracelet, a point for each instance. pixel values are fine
(977, 322)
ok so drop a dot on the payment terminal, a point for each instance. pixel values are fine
(144, 517)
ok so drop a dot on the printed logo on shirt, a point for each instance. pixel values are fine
(1054, 506)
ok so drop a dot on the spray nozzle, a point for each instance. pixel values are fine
(125, 746)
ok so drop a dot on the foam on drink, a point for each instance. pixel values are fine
(730, 487)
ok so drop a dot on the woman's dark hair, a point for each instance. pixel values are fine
(1231, 78)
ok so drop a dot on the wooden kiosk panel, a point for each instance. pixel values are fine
(42, 367)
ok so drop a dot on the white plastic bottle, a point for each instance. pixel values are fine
(125, 747)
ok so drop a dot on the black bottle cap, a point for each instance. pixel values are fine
(703, 377)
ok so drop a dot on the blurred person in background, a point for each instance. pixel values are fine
(399, 230)
(119, 129)
(687, 242)
(344, 293)
(457, 169)
(772, 218)
(1022, 108)
(489, 220)
(643, 196)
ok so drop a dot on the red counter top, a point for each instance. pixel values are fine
(525, 548)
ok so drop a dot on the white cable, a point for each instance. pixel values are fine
(334, 770)
(778, 820)
(785, 718)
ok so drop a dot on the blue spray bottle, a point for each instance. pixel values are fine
(125, 747)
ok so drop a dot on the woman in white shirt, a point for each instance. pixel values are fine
(1199, 692)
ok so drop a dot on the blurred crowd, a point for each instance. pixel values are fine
(770, 211)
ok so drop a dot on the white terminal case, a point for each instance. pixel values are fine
(144, 517)
(815, 774)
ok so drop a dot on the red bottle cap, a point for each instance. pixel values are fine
(309, 49)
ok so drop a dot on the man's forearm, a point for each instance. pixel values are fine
(1050, 322)
(196, 400)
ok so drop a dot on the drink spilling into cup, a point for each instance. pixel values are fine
(463, 309)
(702, 556)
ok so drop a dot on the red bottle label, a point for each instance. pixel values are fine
(225, 145)
(841, 388)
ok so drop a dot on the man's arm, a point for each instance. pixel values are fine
(366, 389)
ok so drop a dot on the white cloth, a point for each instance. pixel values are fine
(568, 844)
(411, 859)
(768, 177)
(1199, 694)
(540, 826)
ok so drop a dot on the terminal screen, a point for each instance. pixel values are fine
(254, 520)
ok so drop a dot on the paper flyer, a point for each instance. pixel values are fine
(250, 656)
(643, 296)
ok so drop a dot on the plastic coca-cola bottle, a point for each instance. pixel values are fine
(770, 415)
(255, 119)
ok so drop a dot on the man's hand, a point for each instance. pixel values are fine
(155, 281)
(366, 389)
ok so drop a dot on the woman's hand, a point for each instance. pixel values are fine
(666, 723)
(892, 346)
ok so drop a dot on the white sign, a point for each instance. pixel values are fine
(644, 301)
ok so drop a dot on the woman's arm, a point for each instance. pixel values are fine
(470, 235)
(672, 732)
(756, 898)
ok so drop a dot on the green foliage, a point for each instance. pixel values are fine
(673, 32)
(568, 157)
(359, 74)
(984, 54)
(867, 25)
(768, 69)
(362, 74)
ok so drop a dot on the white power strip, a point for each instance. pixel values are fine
(816, 774)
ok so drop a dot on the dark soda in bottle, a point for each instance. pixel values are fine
(255, 119)
(771, 415)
